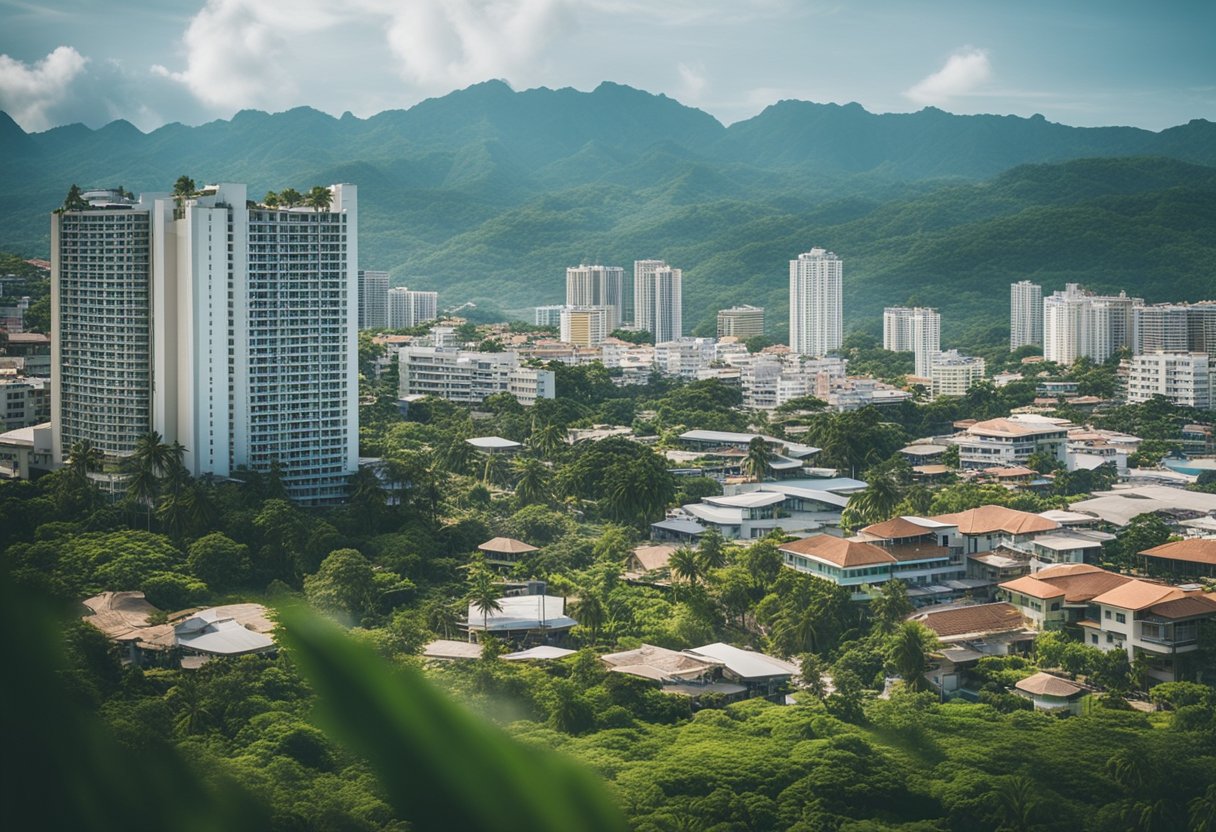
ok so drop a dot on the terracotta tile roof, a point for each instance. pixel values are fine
(1188, 606)
(1138, 595)
(1081, 582)
(897, 527)
(506, 546)
(1196, 550)
(654, 557)
(1014, 471)
(1044, 684)
(989, 519)
(914, 551)
(1028, 585)
(976, 619)
(840, 552)
(1008, 427)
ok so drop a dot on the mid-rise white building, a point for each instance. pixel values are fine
(816, 302)
(741, 321)
(658, 300)
(952, 374)
(24, 402)
(373, 299)
(1080, 324)
(598, 286)
(917, 330)
(685, 357)
(1185, 378)
(408, 307)
(1006, 442)
(1175, 327)
(1025, 314)
(222, 324)
(548, 315)
(468, 377)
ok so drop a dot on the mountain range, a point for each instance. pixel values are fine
(487, 194)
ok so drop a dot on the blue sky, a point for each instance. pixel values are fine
(1149, 65)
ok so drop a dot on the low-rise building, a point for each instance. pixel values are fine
(24, 402)
(1194, 558)
(1051, 693)
(989, 527)
(676, 672)
(1059, 596)
(741, 321)
(537, 618)
(504, 551)
(469, 377)
(1009, 442)
(26, 453)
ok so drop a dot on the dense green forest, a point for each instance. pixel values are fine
(337, 731)
(487, 195)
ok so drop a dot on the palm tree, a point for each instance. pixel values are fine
(494, 469)
(533, 483)
(1131, 771)
(483, 595)
(271, 200)
(1203, 811)
(712, 550)
(319, 198)
(193, 714)
(290, 197)
(685, 566)
(877, 502)
(442, 617)
(589, 611)
(1017, 803)
(182, 188)
(83, 458)
(149, 461)
(759, 455)
(547, 439)
(908, 650)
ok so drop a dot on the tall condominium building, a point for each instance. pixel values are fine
(952, 374)
(1025, 314)
(407, 307)
(917, 330)
(816, 306)
(598, 286)
(1081, 324)
(1185, 378)
(222, 324)
(585, 326)
(1175, 327)
(373, 299)
(741, 321)
(658, 299)
(469, 377)
(548, 315)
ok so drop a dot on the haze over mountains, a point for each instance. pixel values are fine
(487, 194)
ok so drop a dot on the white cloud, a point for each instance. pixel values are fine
(693, 81)
(963, 72)
(28, 92)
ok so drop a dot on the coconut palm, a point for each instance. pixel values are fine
(182, 188)
(1017, 803)
(908, 651)
(1203, 811)
(290, 197)
(319, 198)
(83, 458)
(533, 483)
(759, 455)
(547, 439)
(877, 502)
(483, 595)
(711, 550)
(271, 200)
(589, 610)
(685, 566)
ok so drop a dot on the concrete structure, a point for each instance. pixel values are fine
(1050, 693)
(586, 326)
(1081, 324)
(952, 374)
(407, 307)
(658, 299)
(1194, 558)
(816, 302)
(1025, 314)
(373, 299)
(598, 286)
(1118, 507)
(26, 452)
(1059, 595)
(27, 352)
(532, 618)
(917, 330)
(741, 321)
(548, 315)
(1009, 442)
(468, 377)
(1185, 378)
(1175, 327)
(221, 324)
(989, 527)
(24, 402)
(687, 358)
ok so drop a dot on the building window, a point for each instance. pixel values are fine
(1121, 618)
(1107, 614)
(1094, 638)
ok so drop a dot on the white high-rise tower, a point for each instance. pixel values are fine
(598, 286)
(816, 305)
(1025, 314)
(658, 299)
(234, 334)
(373, 299)
(917, 330)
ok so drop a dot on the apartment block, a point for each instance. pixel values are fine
(548, 315)
(408, 307)
(373, 299)
(1008, 442)
(24, 402)
(598, 286)
(585, 326)
(741, 321)
(917, 330)
(1025, 314)
(468, 377)
(1175, 327)
(1185, 378)
(658, 299)
(1080, 324)
(952, 374)
(816, 302)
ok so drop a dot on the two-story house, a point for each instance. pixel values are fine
(1059, 595)
(987, 527)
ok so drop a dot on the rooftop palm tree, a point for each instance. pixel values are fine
(483, 595)
(271, 200)
(759, 455)
(290, 197)
(319, 198)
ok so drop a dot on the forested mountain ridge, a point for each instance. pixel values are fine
(487, 194)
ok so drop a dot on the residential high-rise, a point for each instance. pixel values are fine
(598, 286)
(373, 299)
(548, 315)
(1175, 327)
(1025, 314)
(741, 321)
(1078, 323)
(407, 307)
(222, 324)
(816, 305)
(585, 326)
(917, 330)
(658, 300)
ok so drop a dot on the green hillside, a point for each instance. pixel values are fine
(487, 194)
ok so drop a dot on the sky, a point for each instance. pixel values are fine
(1080, 62)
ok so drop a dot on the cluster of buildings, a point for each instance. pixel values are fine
(601, 299)
(398, 308)
(1171, 344)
